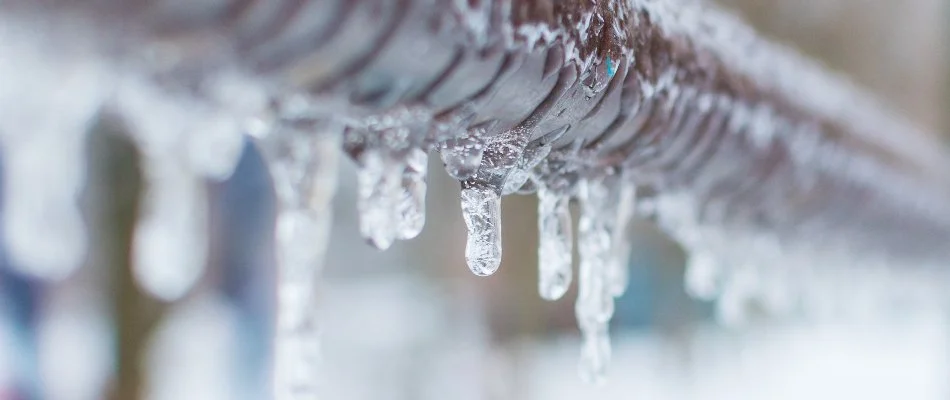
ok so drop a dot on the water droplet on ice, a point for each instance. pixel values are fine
(481, 209)
(555, 248)
(462, 156)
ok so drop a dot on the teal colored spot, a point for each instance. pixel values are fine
(611, 68)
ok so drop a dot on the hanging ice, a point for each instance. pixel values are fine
(304, 167)
(556, 244)
(595, 355)
(618, 272)
(171, 241)
(392, 191)
(380, 192)
(481, 209)
(51, 89)
(595, 302)
(412, 205)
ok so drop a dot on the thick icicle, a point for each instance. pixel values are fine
(481, 209)
(171, 238)
(52, 86)
(304, 168)
(556, 244)
(595, 303)
(411, 216)
(380, 194)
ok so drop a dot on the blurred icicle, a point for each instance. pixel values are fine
(556, 244)
(171, 238)
(48, 97)
(595, 302)
(303, 164)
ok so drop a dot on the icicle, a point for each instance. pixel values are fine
(380, 192)
(462, 156)
(702, 275)
(595, 303)
(595, 355)
(304, 168)
(412, 207)
(171, 239)
(618, 272)
(555, 248)
(481, 209)
(52, 86)
(42, 224)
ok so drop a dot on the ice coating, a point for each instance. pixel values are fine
(555, 244)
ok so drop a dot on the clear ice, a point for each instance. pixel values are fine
(481, 210)
(462, 156)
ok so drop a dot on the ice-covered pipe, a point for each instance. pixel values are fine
(757, 159)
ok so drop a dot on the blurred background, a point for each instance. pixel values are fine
(414, 323)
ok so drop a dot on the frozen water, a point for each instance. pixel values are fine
(462, 156)
(595, 301)
(618, 272)
(171, 239)
(303, 164)
(556, 244)
(42, 154)
(702, 275)
(380, 192)
(481, 210)
(411, 216)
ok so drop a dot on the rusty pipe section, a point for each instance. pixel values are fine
(730, 132)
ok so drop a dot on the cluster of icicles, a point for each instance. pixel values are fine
(188, 135)
(392, 189)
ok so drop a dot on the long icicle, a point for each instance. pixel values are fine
(595, 302)
(304, 169)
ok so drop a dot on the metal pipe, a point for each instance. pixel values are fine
(681, 96)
